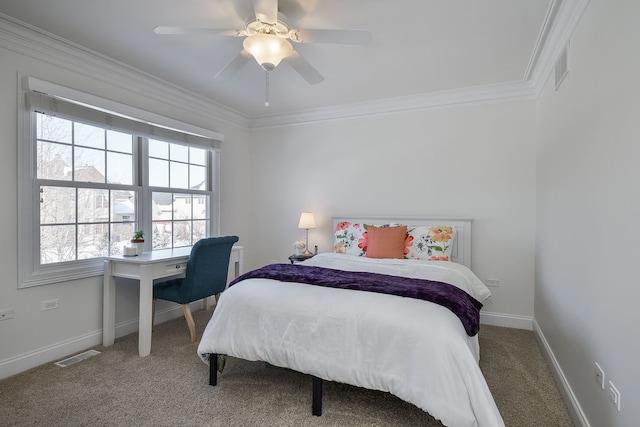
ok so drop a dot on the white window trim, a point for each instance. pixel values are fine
(30, 273)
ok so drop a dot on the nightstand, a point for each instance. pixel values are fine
(299, 258)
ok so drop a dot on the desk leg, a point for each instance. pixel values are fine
(146, 302)
(108, 306)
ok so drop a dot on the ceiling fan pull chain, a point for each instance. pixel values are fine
(266, 89)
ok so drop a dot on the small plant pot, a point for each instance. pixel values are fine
(139, 244)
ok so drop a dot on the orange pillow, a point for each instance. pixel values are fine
(386, 242)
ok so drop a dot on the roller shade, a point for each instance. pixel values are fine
(78, 111)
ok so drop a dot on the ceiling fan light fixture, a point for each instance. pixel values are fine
(267, 49)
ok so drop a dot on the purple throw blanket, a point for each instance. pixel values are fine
(458, 301)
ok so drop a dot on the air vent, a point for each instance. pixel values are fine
(77, 358)
(562, 66)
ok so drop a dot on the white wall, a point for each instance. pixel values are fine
(35, 336)
(588, 205)
(476, 162)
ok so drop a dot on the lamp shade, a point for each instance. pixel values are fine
(307, 221)
(267, 49)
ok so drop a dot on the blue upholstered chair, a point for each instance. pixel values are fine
(206, 275)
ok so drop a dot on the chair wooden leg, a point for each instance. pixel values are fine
(190, 322)
(153, 314)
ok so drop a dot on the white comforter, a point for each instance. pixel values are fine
(414, 349)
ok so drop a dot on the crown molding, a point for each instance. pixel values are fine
(36, 43)
(543, 36)
(500, 92)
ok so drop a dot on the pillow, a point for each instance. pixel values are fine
(430, 243)
(386, 242)
(350, 238)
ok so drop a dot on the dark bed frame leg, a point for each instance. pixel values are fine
(316, 387)
(316, 405)
(213, 369)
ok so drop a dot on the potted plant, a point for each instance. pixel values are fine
(138, 241)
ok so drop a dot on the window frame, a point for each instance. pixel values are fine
(30, 271)
(212, 165)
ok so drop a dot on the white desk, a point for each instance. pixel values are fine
(145, 268)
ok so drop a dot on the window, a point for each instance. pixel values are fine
(85, 176)
(98, 176)
(176, 220)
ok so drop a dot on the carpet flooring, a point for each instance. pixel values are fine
(170, 388)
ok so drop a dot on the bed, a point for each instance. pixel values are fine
(417, 348)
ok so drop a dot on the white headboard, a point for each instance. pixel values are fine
(461, 247)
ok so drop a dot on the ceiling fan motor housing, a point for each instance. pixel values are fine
(255, 26)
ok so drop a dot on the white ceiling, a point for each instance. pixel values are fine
(419, 46)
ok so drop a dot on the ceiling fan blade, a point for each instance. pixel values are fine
(306, 70)
(197, 31)
(266, 11)
(234, 65)
(331, 36)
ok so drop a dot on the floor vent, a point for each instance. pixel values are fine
(77, 358)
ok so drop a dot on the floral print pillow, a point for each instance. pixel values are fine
(350, 238)
(429, 243)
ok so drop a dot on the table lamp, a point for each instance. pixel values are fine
(307, 222)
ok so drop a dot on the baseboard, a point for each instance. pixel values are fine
(506, 320)
(26, 361)
(54, 352)
(575, 410)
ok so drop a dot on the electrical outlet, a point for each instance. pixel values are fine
(494, 283)
(599, 375)
(6, 314)
(49, 305)
(614, 395)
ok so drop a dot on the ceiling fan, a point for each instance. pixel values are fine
(268, 40)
